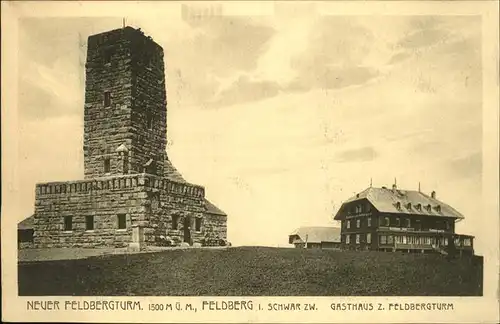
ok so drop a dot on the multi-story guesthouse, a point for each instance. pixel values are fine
(390, 219)
(131, 194)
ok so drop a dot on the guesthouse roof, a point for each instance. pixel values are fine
(393, 200)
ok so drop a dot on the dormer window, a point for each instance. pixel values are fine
(398, 205)
(438, 208)
(429, 208)
(408, 206)
(418, 207)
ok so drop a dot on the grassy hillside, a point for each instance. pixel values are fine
(254, 271)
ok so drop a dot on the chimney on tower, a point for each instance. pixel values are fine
(433, 194)
(394, 186)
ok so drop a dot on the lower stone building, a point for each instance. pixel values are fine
(125, 209)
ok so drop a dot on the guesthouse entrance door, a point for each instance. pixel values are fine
(187, 230)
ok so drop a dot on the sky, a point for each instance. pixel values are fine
(281, 117)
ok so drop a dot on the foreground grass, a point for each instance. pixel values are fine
(255, 271)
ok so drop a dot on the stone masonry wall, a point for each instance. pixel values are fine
(144, 199)
(105, 128)
(181, 200)
(104, 199)
(149, 110)
(216, 225)
(128, 65)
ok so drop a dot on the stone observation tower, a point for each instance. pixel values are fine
(131, 194)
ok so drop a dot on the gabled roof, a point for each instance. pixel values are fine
(316, 234)
(121, 148)
(396, 201)
(212, 209)
(171, 172)
(26, 223)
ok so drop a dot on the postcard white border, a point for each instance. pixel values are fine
(466, 309)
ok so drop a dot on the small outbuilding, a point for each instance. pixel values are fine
(316, 237)
(25, 232)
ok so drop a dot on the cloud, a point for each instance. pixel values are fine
(366, 153)
(229, 46)
(423, 33)
(334, 57)
(398, 57)
(47, 92)
(422, 38)
(245, 90)
(467, 166)
(211, 54)
(325, 77)
(233, 43)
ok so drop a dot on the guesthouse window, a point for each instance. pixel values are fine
(348, 239)
(358, 223)
(369, 220)
(383, 239)
(122, 221)
(387, 221)
(408, 222)
(467, 242)
(68, 223)
(348, 224)
(368, 238)
(89, 223)
(357, 238)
